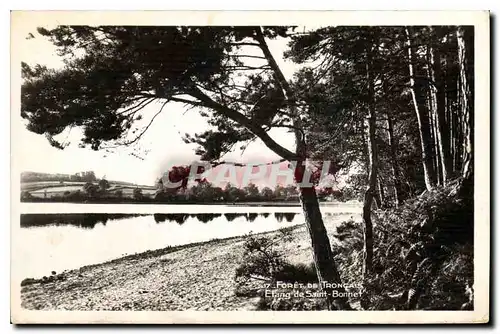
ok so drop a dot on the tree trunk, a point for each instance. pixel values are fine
(450, 102)
(453, 127)
(437, 153)
(381, 193)
(459, 127)
(443, 123)
(398, 193)
(465, 38)
(419, 101)
(322, 252)
(372, 173)
(432, 107)
(366, 154)
(370, 193)
(439, 110)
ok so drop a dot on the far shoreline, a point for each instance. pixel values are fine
(151, 208)
(152, 201)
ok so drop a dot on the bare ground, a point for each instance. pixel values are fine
(190, 277)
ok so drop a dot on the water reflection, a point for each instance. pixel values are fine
(179, 218)
(288, 216)
(208, 217)
(232, 216)
(90, 220)
(252, 216)
(83, 220)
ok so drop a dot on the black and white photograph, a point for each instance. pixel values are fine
(272, 165)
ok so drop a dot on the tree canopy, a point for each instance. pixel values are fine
(111, 73)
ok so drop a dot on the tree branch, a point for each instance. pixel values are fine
(241, 119)
(249, 56)
(243, 44)
(248, 68)
(238, 164)
(138, 106)
(144, 130)
(175, 99)
(287, 90)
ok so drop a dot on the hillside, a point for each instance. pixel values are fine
(55, 186)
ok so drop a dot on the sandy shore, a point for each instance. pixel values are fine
(189, 277)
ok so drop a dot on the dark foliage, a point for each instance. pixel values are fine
(423, 253)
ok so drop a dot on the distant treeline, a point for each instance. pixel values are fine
(85, 176)
(146, 200)
(205, 192)
(88, 176)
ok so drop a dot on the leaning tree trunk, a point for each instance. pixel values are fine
(465, 38)
(419, 102)
(322, 252)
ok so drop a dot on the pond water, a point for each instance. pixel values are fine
(58, 242)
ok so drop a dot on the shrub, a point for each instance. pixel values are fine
(137, 194)
(28, 281)
(90, 189)
(299, 272)
(263, 267)
(260, 259)
(76, 196)
(423, 254)
(26, 195)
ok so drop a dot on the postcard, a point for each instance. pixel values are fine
(237, 167)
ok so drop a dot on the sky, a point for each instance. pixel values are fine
(160, 147)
